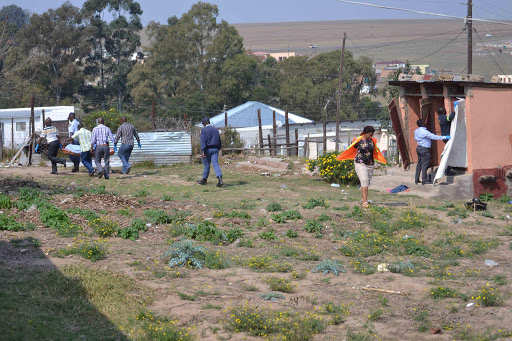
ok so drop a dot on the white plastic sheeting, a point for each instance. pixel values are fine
(455, 151)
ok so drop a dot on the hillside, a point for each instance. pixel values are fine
(384, 40)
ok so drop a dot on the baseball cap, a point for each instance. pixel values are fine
(205, 120)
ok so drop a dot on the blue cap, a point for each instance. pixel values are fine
(205, 120)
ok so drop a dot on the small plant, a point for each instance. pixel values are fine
(167, 197)
(291, 215)
(401, 267)
(422, 321)
(141, 193)
(186, 297)
(125, 213)
(384, 301)
(87, 214)
(292, 233)
(486, 197)
(312, 203)
(186, 254)
(272, 296)
(487, 214)
(376, 314)
(281, 284)
(504, 199)
(104, 227)
(8, 223)
(278, 218)
(5, 201)
(488, 296)
(458, 212)
(268, 235)
(132, 232)
(313, 226)
(267, 264)
(323, 217)
(274, 207)
(443, 292)
(331, 266)
(53, 217)
(216, 261)
(500, 279)
(362, 267)
(92, 250)
(262, 222)
(246, 243)
(338, 313)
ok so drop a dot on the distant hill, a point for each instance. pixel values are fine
(385, 40)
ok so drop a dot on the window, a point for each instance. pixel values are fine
(21, 126)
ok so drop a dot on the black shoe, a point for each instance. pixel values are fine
(416, 182)
(450, 173)
(427, 183)
(106, 178)
(220, 183)
(64, 164)
(54, 173)
(100, 174)
(91, 174)
(74, 170)
(128, 170)
(202, 181)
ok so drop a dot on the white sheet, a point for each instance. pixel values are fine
(455, 151)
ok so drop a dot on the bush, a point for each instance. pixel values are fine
(332, 170)
(331, 266)
(186, 254)
(132, 232)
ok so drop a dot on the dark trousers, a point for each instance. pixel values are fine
(87, 161)
(99, 153)
(423, 162)
(53, 149)
(125, 151)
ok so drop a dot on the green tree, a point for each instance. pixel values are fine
(117, 39)
(56, 40)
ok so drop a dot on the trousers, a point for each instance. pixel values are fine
(87, 161)
(53, 149)
(102, 152)
(423, 162)
(212, 157)
(125, 151)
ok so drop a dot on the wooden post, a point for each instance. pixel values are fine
(226, 119)
(12, 132)
(43, 117)
(287, 124)
(185, 118)
(1, 141)
(274, 133)
(325, 137)
(296, 142)
(338, 107)
(269, 144)
(260, 129)
(153, 112)
(31, 130)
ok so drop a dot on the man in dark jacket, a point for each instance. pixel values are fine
(445, 123)
(210, 146)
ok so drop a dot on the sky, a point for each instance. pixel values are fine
(260, 11)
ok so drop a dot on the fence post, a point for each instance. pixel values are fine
(153, 112)
(287, 123)
(325, 137)
(260, 129)
(1, 141)
(12, 132)
(296, 142)
(226, 119)
(274, 133)
(269, 144)
(31, 131)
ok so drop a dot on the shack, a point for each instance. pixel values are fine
(485, 136)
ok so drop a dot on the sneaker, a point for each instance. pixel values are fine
(220, 183)
(128, 170)
(100, 174)
(202, 181)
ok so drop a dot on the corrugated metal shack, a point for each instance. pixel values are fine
(163, 148)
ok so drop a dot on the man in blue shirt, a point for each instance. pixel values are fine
(210, 146)
(424, 139)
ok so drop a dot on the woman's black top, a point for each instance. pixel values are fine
(365, 152)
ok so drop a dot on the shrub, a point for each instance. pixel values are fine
(268, 235)
(332, 170)
(331, 266)
(292, 233)
(132, 232)
(488, 296)
(186, 254)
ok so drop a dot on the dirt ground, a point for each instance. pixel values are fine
(381, 305)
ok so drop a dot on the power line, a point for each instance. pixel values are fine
(436, 51)
(424, 13)
(489, 52)
(492, 5)
(496, 14)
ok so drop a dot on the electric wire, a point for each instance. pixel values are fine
(436, 51)
(488, 52)
(492, 5)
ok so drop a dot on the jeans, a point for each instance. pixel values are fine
(124, 154)
(53, 149)
(102, 152)
(87, 161)
(212, 157)
(423, 162)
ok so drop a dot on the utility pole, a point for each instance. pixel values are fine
(338, 107)
(469, 26)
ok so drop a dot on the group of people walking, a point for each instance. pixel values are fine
(87, 143)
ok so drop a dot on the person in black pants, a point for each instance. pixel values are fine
(424, 139)
(51, 134)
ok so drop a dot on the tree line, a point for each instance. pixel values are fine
(194, 65)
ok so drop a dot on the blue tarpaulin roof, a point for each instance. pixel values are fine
(246, 115)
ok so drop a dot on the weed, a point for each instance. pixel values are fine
(405, 268)
(186, 297)
(422, 321)
(5, 201)
(460, 212)
(487, 214)
(267, 264)
(274, 207)
(87, 214)
(167, 197)
(211, 306)
(338, 313)
(29, 241)
(362, 267)
(270, 234)
(500, 279)
(53, 217)
(353, 336)
(281, 284)
(272, 296)
(486, 197)
(282, 217)
(216, 261)
(313, 226)
(186, 254)
(298, 275)
(250, 288)
(278, 218)
(323, 217)
(141, 193)
(411, 219)
(376, 314)
(443, 292)
(262, 222)
(367, 244)
(104, 227)
(331, 266)
(125, 213)
(233, 214)
(92, 250)
(504, 199)
(292, 233)
(8, 223)
(132, 232)
(312, 203)
(384, 301)
(488, 296)
(98, 190)
(246, 243)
